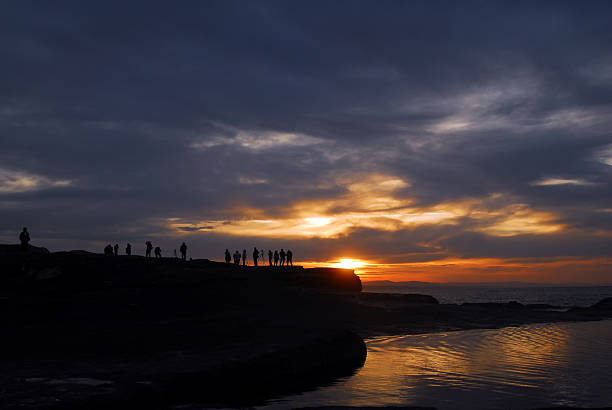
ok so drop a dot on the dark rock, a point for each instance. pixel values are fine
(404, 298)
(8, 251)
(274, 374)
(601, 308)
(331, 278)
(317, 361)
(541, 306)
(604, 304)
(512, 304)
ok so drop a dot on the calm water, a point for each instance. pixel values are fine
(552, 295)
(567, 364)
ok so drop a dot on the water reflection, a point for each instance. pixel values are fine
(519, 367)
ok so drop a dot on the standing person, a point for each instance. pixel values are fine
(270, 256)
(108, 250)
(116, 249)
(128, 249)
(183, 250)
(244, 257)
(157, 252)
(149, 248)
(289, 257)
(282, 257)
(255, 256)
(275, 258)
(228, 257)
(24, 238)
(237, 257)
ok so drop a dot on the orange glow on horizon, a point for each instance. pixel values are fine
(559, 270)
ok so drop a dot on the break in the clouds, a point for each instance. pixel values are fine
(433, 140)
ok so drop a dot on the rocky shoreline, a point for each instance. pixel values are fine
(89, 331)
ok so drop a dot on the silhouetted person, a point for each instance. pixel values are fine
(289, 257)
(116, 249)
(108, 250)
(228, 257)
(270, 257)
(128, 249)
(157, 252)
(282, 257)
(149, 248)
(175, 255)
(255, 256)
(244, 257)
(275, 258)
(183, 250)
(24, 238)
(237, 257)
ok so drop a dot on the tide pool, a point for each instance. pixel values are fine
(558, 364)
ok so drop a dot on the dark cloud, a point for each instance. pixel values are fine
(195, 111)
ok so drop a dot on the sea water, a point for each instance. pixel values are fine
(565, 296)
(558, 364)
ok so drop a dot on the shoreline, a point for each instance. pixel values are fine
(159, 333)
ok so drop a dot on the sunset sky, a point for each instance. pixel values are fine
(432, 141)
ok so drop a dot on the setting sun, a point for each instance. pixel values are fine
(350, 263)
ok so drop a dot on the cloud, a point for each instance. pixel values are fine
(194, 228)
(560, 181)
(256, 140)
(12, 181)
(605, 155)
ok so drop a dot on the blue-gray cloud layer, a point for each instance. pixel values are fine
(154, 110)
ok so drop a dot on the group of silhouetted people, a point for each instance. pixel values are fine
(114, 250)
(275, 258)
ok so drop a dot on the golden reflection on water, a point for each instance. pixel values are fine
(532, 366)
(469, 359)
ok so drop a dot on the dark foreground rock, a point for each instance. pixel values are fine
(89, 331)
(238, 379)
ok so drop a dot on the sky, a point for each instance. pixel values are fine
(434, 141)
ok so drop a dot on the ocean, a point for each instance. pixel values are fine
(565, 296)
(519, 367)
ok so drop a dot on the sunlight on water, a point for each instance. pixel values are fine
(515, 367)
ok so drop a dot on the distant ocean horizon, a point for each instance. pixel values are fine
(563, 295)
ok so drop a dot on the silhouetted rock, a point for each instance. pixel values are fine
(604, 304)
(331, 278)
(511, 304)
(543, 306)
(9, 251)
(599, 309)
(401, 298)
